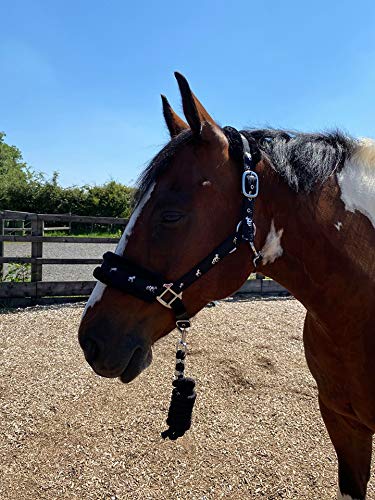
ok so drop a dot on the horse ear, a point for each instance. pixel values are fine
(213, 134)
(174, 123)
(194, 112)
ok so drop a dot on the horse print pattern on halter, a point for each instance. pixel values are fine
(216, 259)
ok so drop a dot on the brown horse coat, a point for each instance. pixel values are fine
(317, 241)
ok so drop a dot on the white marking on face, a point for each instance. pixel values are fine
(272, 248)
(99, 288)
(95, 296)
(133, 219)
(338, 225)
(357, 180)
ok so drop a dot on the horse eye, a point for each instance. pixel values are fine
(170, 217)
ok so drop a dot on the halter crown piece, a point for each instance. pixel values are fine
(125, 275)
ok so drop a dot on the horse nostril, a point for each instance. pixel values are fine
(90, 350)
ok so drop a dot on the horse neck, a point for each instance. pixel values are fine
(298, 231)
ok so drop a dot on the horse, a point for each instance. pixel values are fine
(312, 230)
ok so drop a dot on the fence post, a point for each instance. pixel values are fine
(37, 229)
(260, 276)
(2, 225)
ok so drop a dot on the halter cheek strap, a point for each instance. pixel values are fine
(125, 275)
(250, 190)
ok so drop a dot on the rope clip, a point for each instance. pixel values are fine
(183, 324)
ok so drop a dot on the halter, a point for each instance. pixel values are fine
(123, 274)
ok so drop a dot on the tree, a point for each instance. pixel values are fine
(109, 200)
(27, 191)
(14, 172)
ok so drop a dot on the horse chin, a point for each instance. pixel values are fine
(136, 365)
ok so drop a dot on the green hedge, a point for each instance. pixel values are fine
(25, 190)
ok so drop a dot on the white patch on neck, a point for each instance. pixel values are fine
(340, 496)
(357, 180)
(272, 248)
(99, 288)
(338, 225)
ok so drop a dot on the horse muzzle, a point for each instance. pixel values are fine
(124, 356)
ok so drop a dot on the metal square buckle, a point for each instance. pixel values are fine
(165, 303)
(252, 177)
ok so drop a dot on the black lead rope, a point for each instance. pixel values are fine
(121, 273)
(183, 395)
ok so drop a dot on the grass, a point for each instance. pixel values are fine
(16, 273)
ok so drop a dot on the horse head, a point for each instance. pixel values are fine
(189, 201)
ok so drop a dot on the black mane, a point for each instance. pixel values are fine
(301, 159)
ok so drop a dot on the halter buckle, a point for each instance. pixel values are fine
(167, 303)
(250, 178)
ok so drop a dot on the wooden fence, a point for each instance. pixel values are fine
(37, 291)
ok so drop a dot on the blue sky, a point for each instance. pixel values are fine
(80, 81)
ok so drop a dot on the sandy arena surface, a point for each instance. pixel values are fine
(257, 433)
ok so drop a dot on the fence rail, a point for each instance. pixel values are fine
(46, 289)
(58, 239)
(41, 260)
(39, 291)
(28, 216)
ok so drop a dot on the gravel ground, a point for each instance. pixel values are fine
(257, 433)
(59, 251)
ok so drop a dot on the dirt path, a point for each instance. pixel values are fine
(257, 433)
